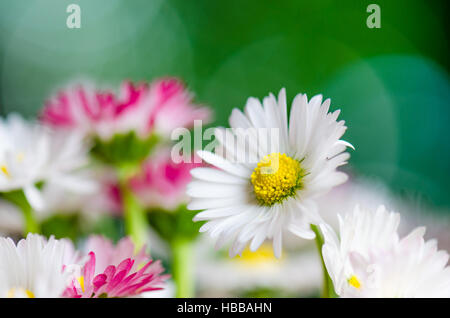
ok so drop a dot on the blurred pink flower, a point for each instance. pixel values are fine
(162, 182)
(173, 108)
(115, 271)
(85, 108)
(112, 192)
(159, 107)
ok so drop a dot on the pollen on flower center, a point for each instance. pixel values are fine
(275, 178)
(263, 256)
(5, 170)
(19, 292)
(81, 282)
(354, 282)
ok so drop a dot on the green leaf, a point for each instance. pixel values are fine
(63, 226)
(109, 227)
(124, 148)
(173, 225)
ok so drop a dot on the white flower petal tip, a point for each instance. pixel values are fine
(346, 144)
(34, 198)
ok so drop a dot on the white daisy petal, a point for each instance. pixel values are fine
(203, 189)
(255, 113)
(301, 231)
(238, 119)
(219, 162)
(210, 203)
(258, 239)
(211, 214)
(216, 175)
(277, 242)
(34, 197)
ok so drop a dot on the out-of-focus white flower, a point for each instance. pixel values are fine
(31, 153)
(33, 268)
(369, 259)
(297, 272)
(11, 219)
(371, 193)
(103, 199)
(343, 198)
(265, 185)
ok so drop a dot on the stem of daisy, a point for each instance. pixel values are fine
(182, 262)
(31, 224)
(327, 289)
(18, 198)
(134, 214)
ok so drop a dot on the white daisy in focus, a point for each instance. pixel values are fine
(269, 173)
(31, 153)
(369, 259)
(33, 268)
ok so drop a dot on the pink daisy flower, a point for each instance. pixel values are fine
(162, 182)
(172, 107)
(115, 271)
(87, 109)
(157, 107)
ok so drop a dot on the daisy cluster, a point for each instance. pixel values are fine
(100, 150)
(245, 203)
(92, 150)
(37, 267)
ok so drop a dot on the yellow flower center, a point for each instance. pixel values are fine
(262, 255)
(5, 170)
(14, 292)
(353, 280)
(275, 178)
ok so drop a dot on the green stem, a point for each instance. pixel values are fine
(134, 214)
(327, 289)
(18, 198)
(182, 263)
(31, 224)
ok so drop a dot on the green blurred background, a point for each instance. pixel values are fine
(392, 83)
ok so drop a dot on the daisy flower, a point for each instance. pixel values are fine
(33, 267)
(105, 199)
(370, 260)
(90, 111)
(115, 271)
(261, 185)
(157, 107)
(31, 153)
(161, 182)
